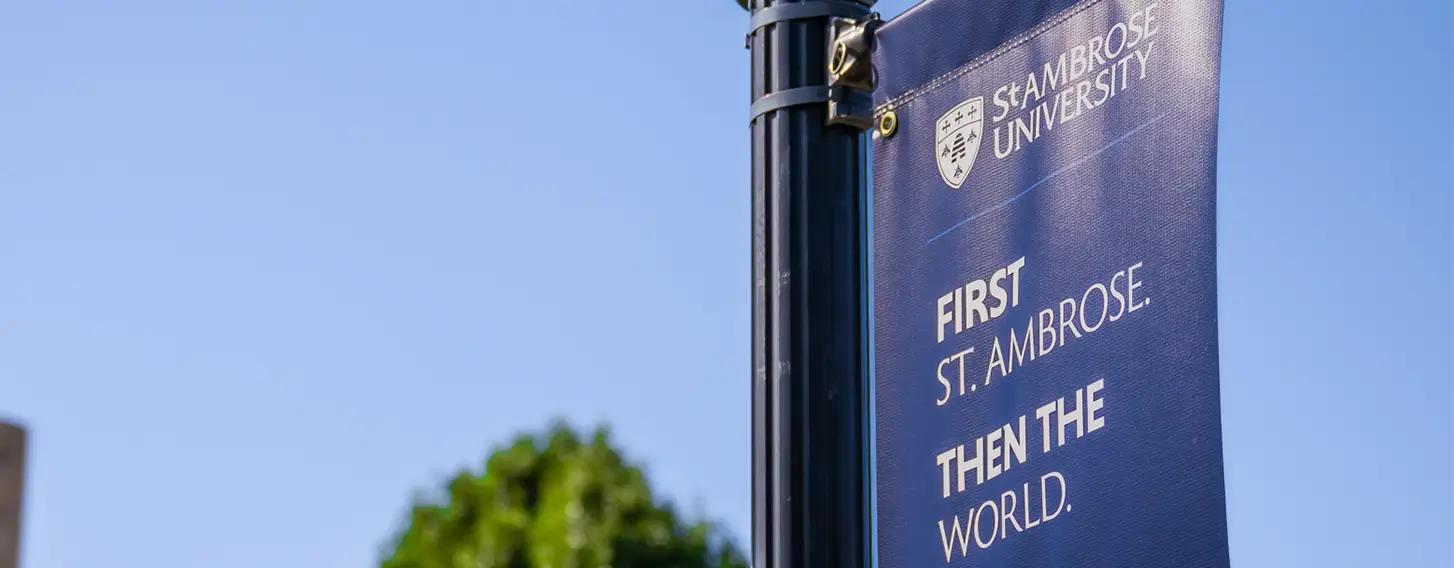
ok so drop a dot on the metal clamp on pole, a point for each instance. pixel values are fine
(789, 98)
(844, 104)
(850, 69)
(804, 10)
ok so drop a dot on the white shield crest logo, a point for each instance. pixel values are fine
(956, 140)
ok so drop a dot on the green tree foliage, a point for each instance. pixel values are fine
(556, 501)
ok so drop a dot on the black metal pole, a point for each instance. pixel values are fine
(12, 487)
(809, 403)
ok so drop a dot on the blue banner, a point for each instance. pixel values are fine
(1044, 285)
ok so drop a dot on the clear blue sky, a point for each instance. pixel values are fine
(267, 269)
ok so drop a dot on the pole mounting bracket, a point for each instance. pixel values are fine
(850, 67)
(849, 92)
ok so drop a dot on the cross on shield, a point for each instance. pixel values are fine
(956, 140)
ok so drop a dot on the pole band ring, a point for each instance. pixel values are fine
(805, 10)
(788, 98)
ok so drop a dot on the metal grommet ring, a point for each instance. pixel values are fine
(888, 123)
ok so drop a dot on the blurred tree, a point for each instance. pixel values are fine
(556, 501)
